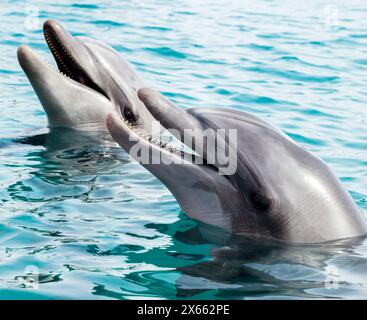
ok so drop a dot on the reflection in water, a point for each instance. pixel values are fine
(266, 268)
(249, 268)
(67, 164)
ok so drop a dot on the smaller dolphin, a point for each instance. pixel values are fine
(91, 80)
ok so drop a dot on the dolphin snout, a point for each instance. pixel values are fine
(54, 26)
(24, 54)
(53, 29)
(22, 51)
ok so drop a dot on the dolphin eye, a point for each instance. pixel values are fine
(129, 115)
(260, 201)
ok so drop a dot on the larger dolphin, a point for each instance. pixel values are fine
(279, 189)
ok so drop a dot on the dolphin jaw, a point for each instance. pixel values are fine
(61, 45)
(138, 134)
(32, 63)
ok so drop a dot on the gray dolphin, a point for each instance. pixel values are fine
(279, 190)
(91, 81)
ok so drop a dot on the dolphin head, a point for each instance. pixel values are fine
(91, 80)
(278, 190)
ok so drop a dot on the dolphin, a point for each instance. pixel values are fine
(279, 190)
(91, 80)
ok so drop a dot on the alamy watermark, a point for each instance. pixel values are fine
(333, 277)
(32, 20)
(216, 147)
(331, 16)
(30, 278)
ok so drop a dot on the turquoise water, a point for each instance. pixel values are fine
(85, 222)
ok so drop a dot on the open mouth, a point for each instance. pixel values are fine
(157, 143)
(61, 45)
(66, 64)
(69, 67)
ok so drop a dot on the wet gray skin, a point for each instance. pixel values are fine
(279, 190)
(91, 81)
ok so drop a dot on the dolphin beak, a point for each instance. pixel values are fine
(25, 56)
(176, 120)
(59, 39)
(170, 116)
